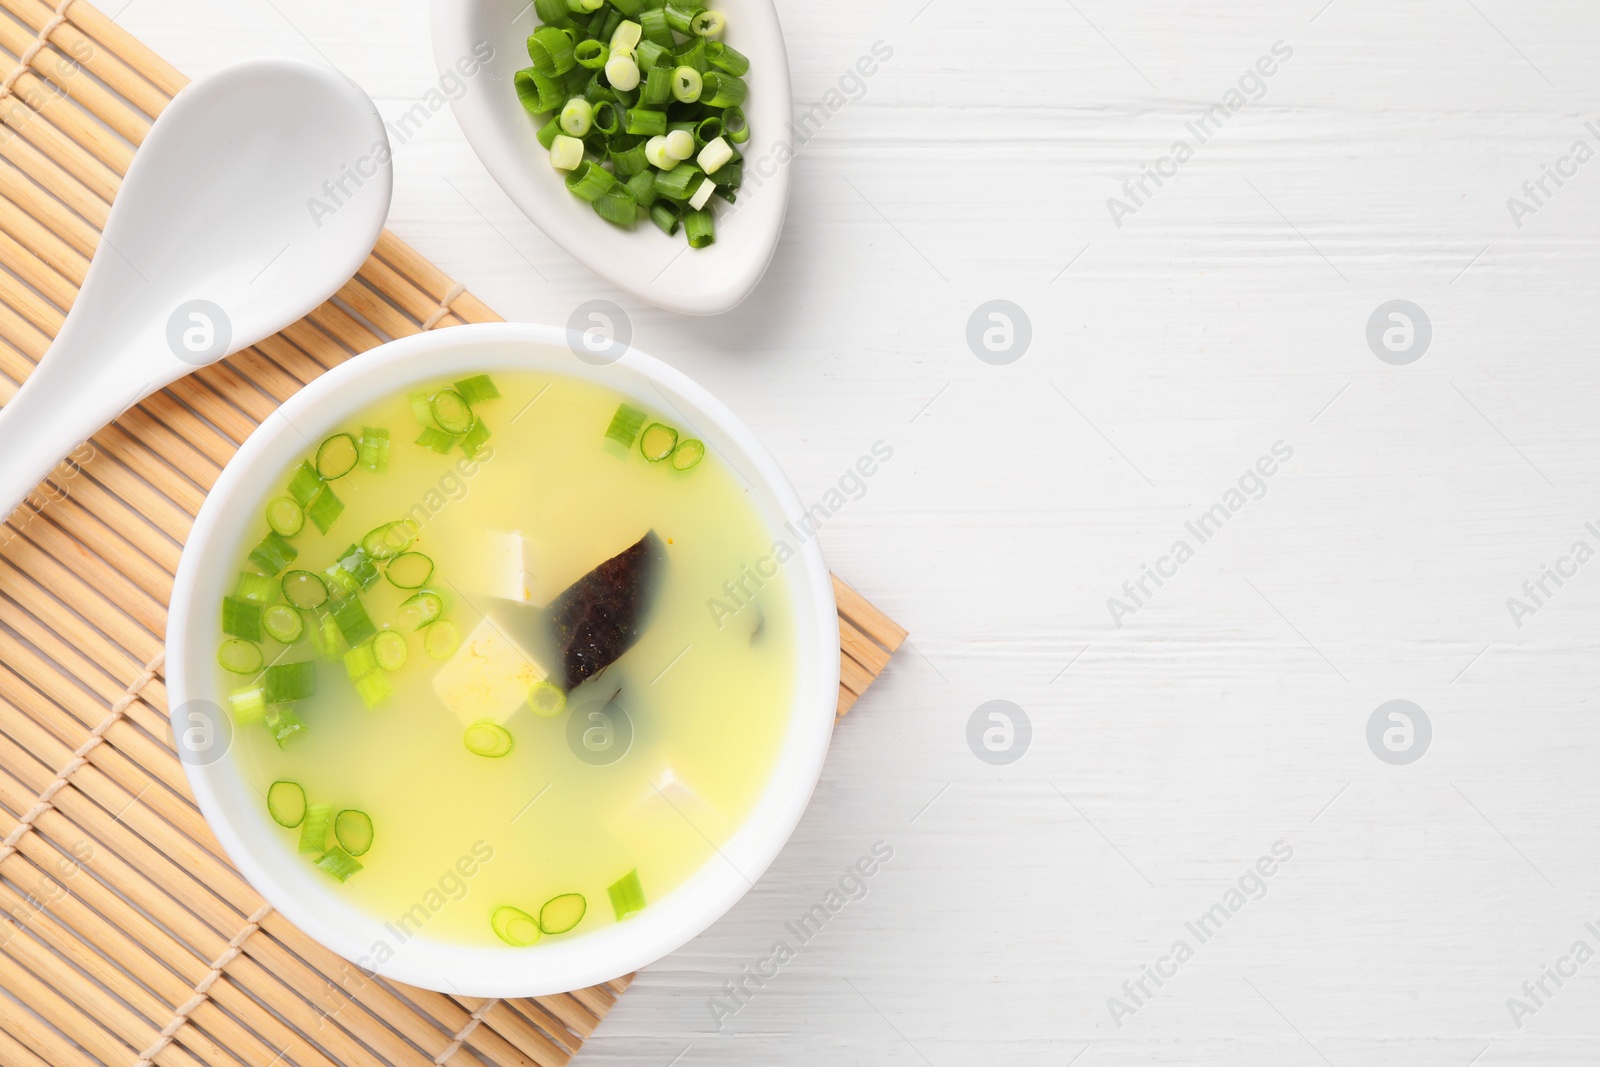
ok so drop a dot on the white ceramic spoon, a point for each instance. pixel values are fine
(223, 233)
(479, 44)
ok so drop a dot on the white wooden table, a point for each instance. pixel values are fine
(1229, 710)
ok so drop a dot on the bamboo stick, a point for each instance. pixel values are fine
(97, 59)
(162, 74)
(49, 174)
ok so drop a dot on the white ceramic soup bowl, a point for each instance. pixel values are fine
(235, 810)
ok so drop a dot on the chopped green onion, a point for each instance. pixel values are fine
(566, 153)
(552, 12)
(337, 456)
(473, 440)
(389, 650)
(241, 618)
(551, 51)
(360, 662)
(352, 619)
(390, 539)
(562, 913)
(285, 516)
(247, 705)
(653, 24)
(339, 863)
(418, 611)
(324, 508)
(665, 216)
(537, 92)
(657, 91)
(655, 152)
(440, 639)
(708, 24)
(304, 590)
(627, 895)
(487, 739)
(437, 440)
(590, 181)
(680, 144)
(628, 155)
(686, 85)
(721, 89)
(374, 449)
(421, 408)
(353, 570)
(283, 723)
(716, 152)
(409, 570)
(642, 187)
(239, 656)
(283, 624)
(478, 389)
(625, 38)
(513, 925)
(657, 442)
(273, 553)
(546, 699)
(314, 828)
(625, 425)
(617, 207)
(373, 688)
(728, 59)
(679, 17)
(325, 636)
(622, 71)
(706, 131)
(693, 55)
(286, 803)
(450, 412)
(735, 126)
(305, 484)
(607, 117)
(591, 54)
(646, 122)
(699, 228)
(352, 828)
(651, 56)
(679, 182)
(689, 452)
(256, 588)
(291, 681)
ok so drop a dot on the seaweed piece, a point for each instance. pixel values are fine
(602, 614)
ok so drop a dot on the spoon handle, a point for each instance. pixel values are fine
(54, 412)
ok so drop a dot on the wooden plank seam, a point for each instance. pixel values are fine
(25, 61)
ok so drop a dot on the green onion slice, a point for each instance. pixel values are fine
(273, 553)
(285, 516)
(283, 624)
(241, 618)
(304, 590)
(546, 699)
(389, 649)
(352, 828)
(314, 829)
(337, 456)
(409, 570)
(291, 681)
(708, 23)
(339, 863)
(352, 619)
(418, 611)
(247, 705)
(473, 440)
(562, 913)
(627, 895)
(256, 588)
(477, 389)
(324, 508)
(487, 739)
(441, 639)
(239, 656)
(514, 926)
(305, 484)
(689, 452)
(325, 636)
(699, 229)
(283, 723)
(373, 688)
(625, 424)
(360, 662)
(451, 413)
(436, 439)
(390, 539)
(286, 803)
(657, 442)
(735, 126)
(374, 449)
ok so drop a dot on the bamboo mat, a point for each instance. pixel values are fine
(127, 936)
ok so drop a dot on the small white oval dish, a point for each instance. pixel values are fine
(235, 810)
(643, 261)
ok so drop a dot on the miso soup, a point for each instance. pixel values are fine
(499, 661)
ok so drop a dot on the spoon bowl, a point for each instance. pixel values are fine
(256, 194)
(644, 262)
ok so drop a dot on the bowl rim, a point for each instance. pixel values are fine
(491, 971)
